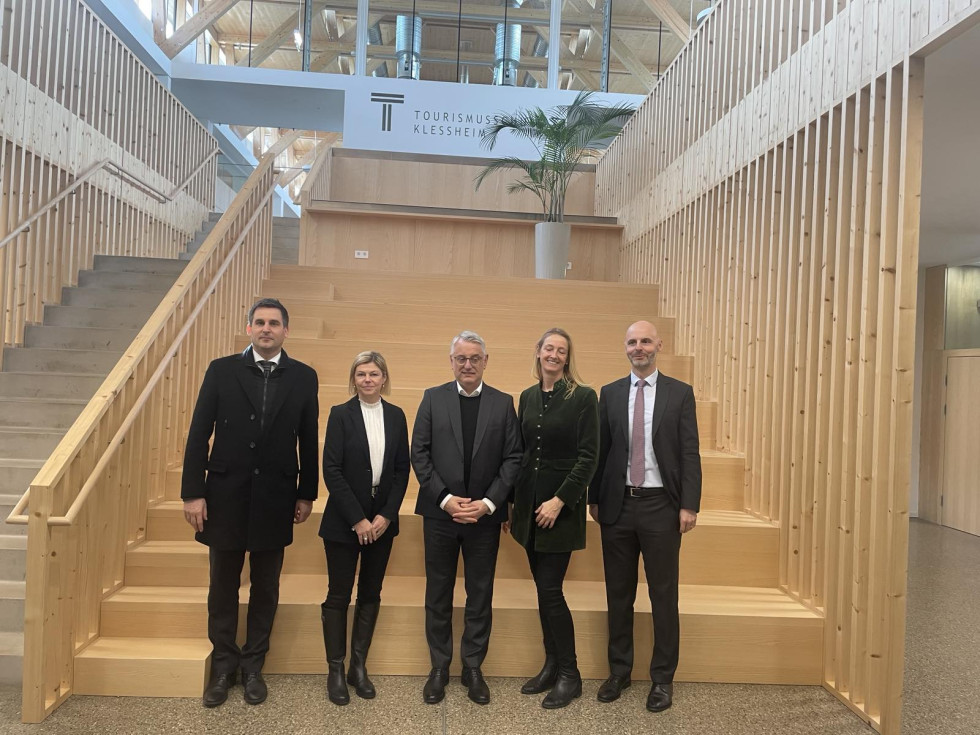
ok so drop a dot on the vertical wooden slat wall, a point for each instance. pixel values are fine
(72, 94)
(770, 184)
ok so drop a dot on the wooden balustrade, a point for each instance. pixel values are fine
(88, 503)
(770, 185)
(72, 95)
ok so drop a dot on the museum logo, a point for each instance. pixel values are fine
(387, 100)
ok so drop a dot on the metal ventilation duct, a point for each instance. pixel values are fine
(507, 50)
(374, 39)
(408, 46)
(540, 49)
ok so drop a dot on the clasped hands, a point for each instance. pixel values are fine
(465, 510)
(370, 531)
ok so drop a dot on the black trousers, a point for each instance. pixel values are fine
(651, 526)
(342, 564)
(226, 573)
(557, 628)
(444, 539)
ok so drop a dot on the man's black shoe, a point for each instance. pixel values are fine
(435, 686)
(217, 691)
(612, 688)
(479, 692)
(660, 698)
(255, 689)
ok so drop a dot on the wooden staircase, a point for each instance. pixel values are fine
(736, 624)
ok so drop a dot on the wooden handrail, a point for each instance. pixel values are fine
(52, 476)
(117, 170)
(120, 436)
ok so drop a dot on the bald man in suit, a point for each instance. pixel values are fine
(645, 494)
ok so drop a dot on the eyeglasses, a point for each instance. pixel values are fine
(461, 360)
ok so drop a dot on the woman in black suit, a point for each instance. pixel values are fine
(559, 420)
(365, 468)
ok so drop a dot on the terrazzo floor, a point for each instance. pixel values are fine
(942, 674)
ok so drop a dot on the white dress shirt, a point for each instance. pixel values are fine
(275, 360)
(652, 477)
(374, 424)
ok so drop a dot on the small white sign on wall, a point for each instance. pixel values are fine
(409, 116)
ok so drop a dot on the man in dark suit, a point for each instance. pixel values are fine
(249, 490)
(646, 492)
(466, 451)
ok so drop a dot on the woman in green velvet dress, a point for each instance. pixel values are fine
(559, 420)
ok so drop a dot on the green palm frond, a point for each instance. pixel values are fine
(564, 137)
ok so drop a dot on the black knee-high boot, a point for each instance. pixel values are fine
(544, 679)
(365, 617)
(335, 643)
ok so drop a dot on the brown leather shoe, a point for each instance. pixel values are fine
(660, 697)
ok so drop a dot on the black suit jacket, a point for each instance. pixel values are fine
(437, 451)
(675, 444)
(252, 478)
(348, 475)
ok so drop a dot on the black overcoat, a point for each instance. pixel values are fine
(348, 475)
(251, 478)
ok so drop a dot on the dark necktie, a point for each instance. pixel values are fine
(638, 445)
(266, 366)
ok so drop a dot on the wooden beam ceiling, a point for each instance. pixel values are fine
(195, 26)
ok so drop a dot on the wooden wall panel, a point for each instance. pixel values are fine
(769, 184)
(933, 398)
(461, 246)
(375, 177)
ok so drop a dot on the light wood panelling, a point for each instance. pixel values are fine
(374, 177)
(770, 185)
(933, 398)
(961, 461)
(410, 243)
(72, 96)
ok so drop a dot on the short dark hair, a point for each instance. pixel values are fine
(269, 304)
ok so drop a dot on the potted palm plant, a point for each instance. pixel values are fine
(564, 136)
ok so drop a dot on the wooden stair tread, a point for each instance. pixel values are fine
(169, 649)
(318, 274)
(509, 594)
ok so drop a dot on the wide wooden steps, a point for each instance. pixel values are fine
(408, 400)
(743, 634)
(736, 624)
(172, 558)
(421, 365)
(722, 473)
(468, 293)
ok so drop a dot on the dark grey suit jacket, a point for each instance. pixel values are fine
(675, 444)
(437, 451)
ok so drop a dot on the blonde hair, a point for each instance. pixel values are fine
(364, 358)
(570, 376)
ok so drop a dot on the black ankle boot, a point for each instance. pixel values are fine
(365, 617)
(544, 679)
(566, 688)
(335, 643)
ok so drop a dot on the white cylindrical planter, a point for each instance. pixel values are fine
(551, 249)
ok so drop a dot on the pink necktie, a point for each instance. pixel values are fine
(638, 454)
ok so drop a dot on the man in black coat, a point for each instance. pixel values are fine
(466, 451)
(249, 490)
(646, 492)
